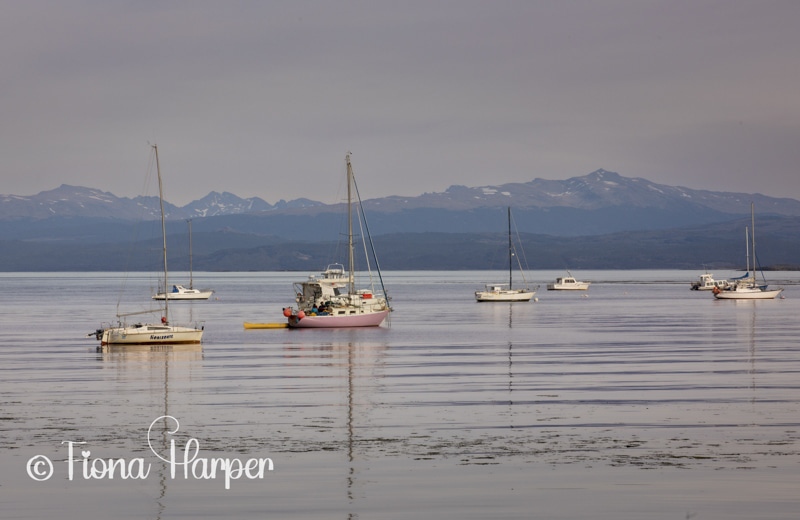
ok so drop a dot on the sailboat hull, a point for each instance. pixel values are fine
(151, 335)
(504, 296)
(747, 294)
(368, 319)
(186, 294)
(183, 297)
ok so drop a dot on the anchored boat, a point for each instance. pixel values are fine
(150, 333)
(331, 300)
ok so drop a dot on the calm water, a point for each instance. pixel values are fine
(640, 399)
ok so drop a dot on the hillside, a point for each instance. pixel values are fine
(715, 246)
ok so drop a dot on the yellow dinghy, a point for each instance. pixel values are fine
(249, 325)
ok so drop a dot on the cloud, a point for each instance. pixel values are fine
(264, 99)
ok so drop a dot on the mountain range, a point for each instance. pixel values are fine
(598, 190)
(76, 201)
(593, 221)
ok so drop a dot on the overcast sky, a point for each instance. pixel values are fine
(265, 98)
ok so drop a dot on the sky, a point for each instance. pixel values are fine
(265, 98)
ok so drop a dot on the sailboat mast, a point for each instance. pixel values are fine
(351, 266)
(163, 235)
(510, 249)
(191, 282)
(747, 250)
(753, 237)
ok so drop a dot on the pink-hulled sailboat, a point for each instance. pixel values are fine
(331, 300)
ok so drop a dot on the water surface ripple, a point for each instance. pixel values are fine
(637, 399)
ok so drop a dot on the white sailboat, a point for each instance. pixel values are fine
(746, 288)
(331, 299)
(146, 333)
(501, 292)
(179, 292)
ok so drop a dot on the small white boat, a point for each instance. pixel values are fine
(502, 292)
(568, 283)
(331, 299)
(707, 283)
(180, 292)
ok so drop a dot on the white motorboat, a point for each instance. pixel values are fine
(708, 283)
(568, 283)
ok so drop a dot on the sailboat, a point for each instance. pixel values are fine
(331, 299)
(746, 288)
(146, 333)
(500, 292)
(179, 292)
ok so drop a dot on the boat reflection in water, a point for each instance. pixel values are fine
(165, 364)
